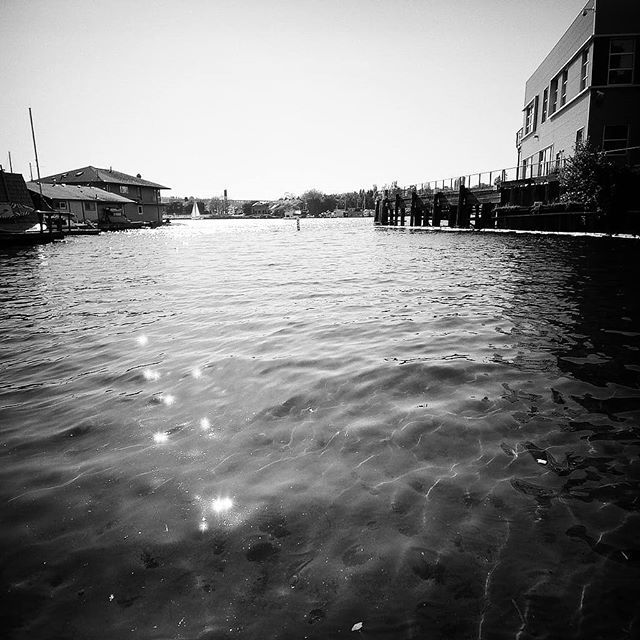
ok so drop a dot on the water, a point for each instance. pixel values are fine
(229, 429)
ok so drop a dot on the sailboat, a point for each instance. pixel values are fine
(195, 211)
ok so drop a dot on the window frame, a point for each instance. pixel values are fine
(529, 117)
(585, 69)
(612, 54)
(545, 104)
(619, 151)
(563, 86)
(553, 96)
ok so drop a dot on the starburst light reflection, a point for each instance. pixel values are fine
(205, 424)
(142, 340)
(221, 505)
(168, 400)
(160, 437)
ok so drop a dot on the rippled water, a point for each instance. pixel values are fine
(228, 429)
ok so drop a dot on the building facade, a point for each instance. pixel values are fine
(587, 88)
(143, 196)
(84, 204)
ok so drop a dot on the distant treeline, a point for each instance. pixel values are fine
(312, 202)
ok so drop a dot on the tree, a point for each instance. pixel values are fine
(588, 177)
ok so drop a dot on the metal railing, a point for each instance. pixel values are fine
(489, 180)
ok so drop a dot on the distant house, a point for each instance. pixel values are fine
(260, 209)
(85, 204)
(143, 197)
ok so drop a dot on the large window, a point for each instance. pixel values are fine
(584, 70)
(579, 137)
(544, 161)
(553, 104)
(615, 138)
(621, 58)
(124, 189)
(563, 90)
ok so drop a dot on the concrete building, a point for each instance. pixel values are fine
(85, 204)
(587, 88)
(143, 196)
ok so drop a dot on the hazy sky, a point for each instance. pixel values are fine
(264, 97)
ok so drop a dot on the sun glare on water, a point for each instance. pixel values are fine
(221, 505)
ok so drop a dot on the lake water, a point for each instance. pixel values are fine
(233, 429)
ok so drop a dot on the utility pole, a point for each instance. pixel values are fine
(10, 165)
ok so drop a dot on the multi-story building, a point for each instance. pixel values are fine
(587, 88)
(144, 196)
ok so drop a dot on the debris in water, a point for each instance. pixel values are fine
(357, 626)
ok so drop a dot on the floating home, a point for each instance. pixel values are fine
(80, 203)
(143, 196)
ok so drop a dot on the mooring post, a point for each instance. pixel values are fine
(437, 209)
(385, 208)
(415, 217)
(376, 216)
(462, 217)
(400, 210)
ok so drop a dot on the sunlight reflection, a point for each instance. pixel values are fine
(205, 424)
(220, 505)
(196, 373)
(168, 400)
(142, 340)
(150, 374)
(203, 526)
(160, 437)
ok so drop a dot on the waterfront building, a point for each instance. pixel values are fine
(85, 204)
(260, 209)
(143, 197)
(587, 88)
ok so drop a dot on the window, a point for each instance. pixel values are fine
(140, 209)
(563, 90)
(90, 206)
(545, 104)
(544, 161)
(60, 204)
(584, 70)
(554, 96)
(621, 59)
(529, 118)
(124, 189)
(579, 136)
(615, 138)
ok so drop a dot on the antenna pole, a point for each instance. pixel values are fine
(10, 165)
(35, 149)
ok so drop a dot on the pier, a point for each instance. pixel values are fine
(517, 198)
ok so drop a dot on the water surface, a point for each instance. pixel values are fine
(227, 429)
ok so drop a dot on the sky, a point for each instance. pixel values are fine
(267, 97)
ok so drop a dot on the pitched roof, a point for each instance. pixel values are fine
(93, 174)
(13, 189)
(75, 192)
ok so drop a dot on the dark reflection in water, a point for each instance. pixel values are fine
(237, 430)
